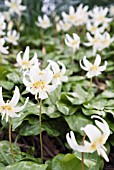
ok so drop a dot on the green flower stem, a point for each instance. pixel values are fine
(40, 121)
(73, 53)
(11, 148)
(90, 86)
(83, 152)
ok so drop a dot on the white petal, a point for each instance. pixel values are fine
(1, 98)
(97, 60)
(15, 97)
(63, 70)
(42, 95)
(86, 63)
(89, 129)
(26, 54)
(102, 68)
(84, 68)
(18, 109)
(104, 155)
(55, 66)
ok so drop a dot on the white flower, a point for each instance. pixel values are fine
(2, 24)
(64, 25)
(71, 17)
(58, 74)
(2, 48)
(94, 27)
(12, 37)
(15, 6)
(24, 62)
(72, 42)
(93, 69)
(43, 22)
(93, 41)
(39, 81)
(105, 41)
(81, 15)
(99, 15)
(9, 109)
(97, 136)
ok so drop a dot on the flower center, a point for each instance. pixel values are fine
(72, 17)
(75, 42)
(25, 63)
(94, 28)
(7, 107)
(101, 18)
(94, 68)
(57, 75)
(39, 84)
(13, 5)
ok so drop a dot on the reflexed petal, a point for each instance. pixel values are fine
(104, 155)
(1, 98)
(89, 37)
(47, 76)
(34, 74)
(64, 78)
(55, 66)
(102, 68)
(97, 60)
(18, 109)
(26, 54)
(69, 38)
(84, 68)
(86, 63)
(26, 82)
(90, 74)
(71, 10)
(63, 70)
(89, 129)
(50, 88)
(15, 97)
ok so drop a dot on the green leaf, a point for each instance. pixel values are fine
(13, 77)
(7, 85)
(77, 121)
(71, 162)
(25, 165)
(56, 162)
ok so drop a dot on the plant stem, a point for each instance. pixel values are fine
(73, 53)
(90, 86)
(11, 148)
(40, 121)
(83, 152)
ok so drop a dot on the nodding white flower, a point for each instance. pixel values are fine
(111, 10)
(24, 62)
(39, 82)
(58, 74)
(94, 27)
(3, 49)
(12, 37)
(15, 6)
(94, 41)
(72, 42)
(93, 69)
(9, 109)
(2, 24)
(81, 15)
(71, 17)
(6, 15)
(105, 41)
(97, 139)
(43, 22)
(64, 25)
(98, 15)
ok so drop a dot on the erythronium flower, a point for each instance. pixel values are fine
(93, 69)
(71, 17)
(58, 74)
(24, 62)
(105, 41)
(64, 25)
(39, 82)
(3, 49)
(81, 15)
(12, 37)
(15, 6)
(98, 15)
(9, 109)
(72, 42)
(97, 139)
(94, 27)
(43, 22)
(93, 41)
